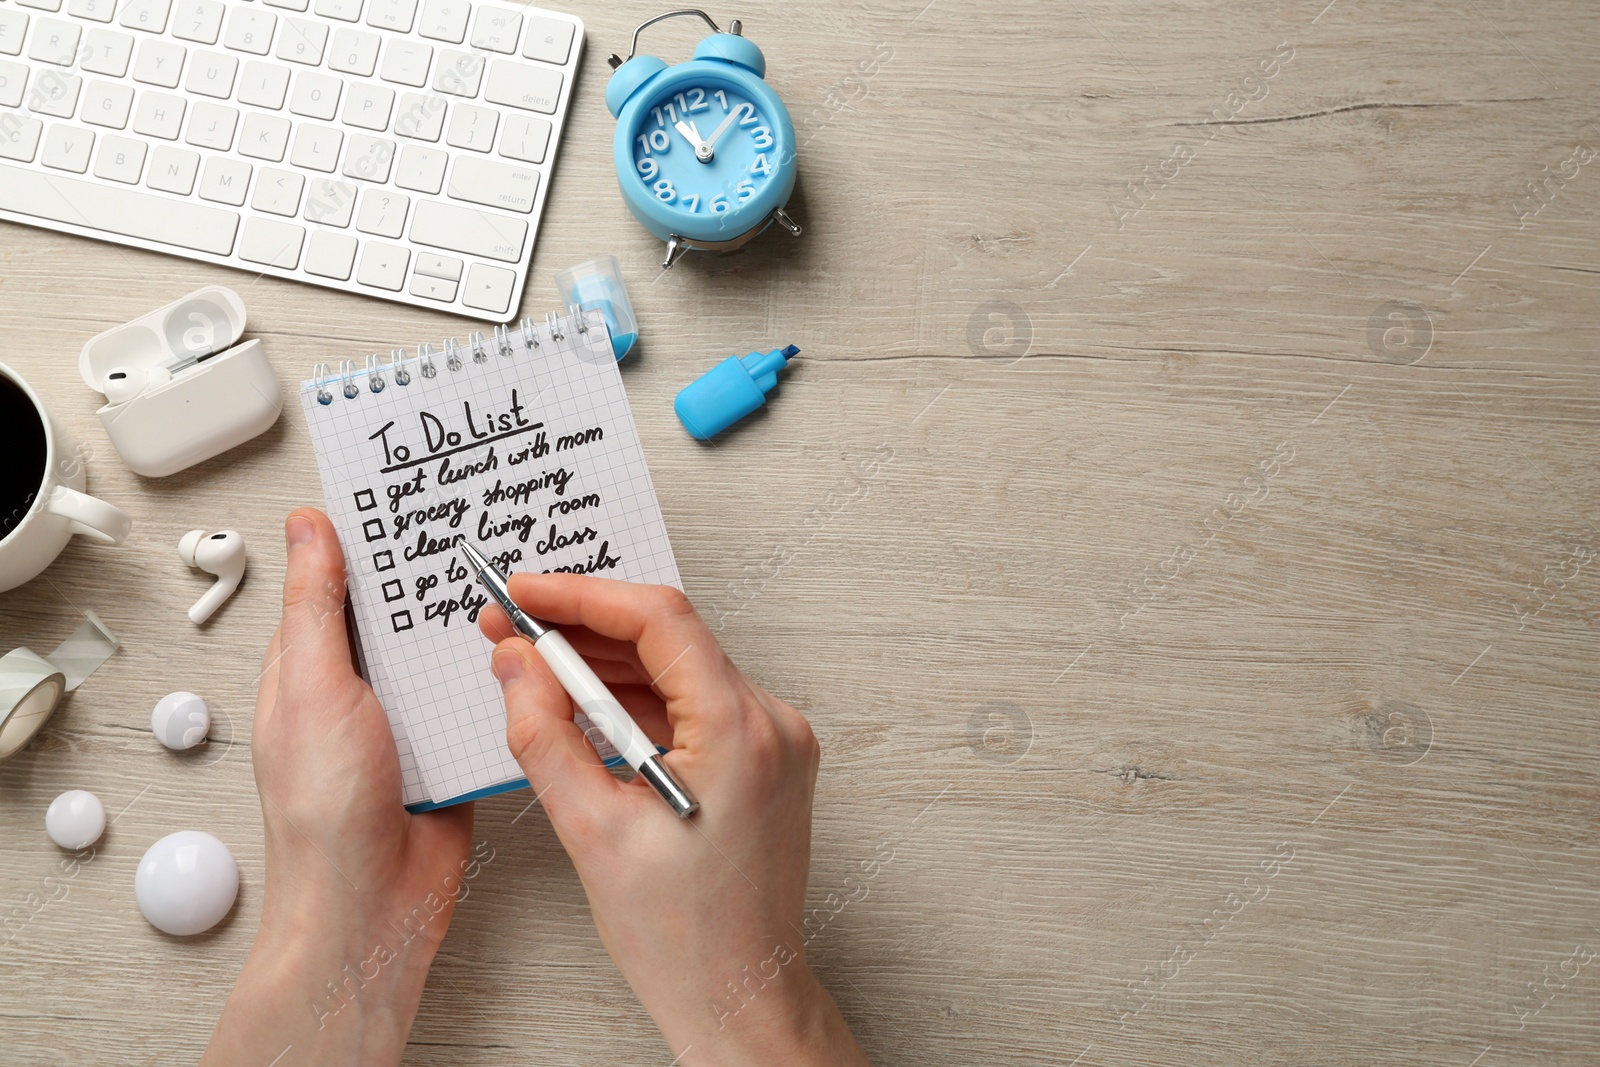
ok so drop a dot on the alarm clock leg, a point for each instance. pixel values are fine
(676, 247)
(781, 217)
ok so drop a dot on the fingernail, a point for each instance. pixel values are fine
(507, 667)
(298, 531)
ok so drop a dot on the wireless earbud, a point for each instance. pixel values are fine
(222, 554)
(124, 383)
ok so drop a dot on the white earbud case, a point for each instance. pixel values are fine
(226, 394)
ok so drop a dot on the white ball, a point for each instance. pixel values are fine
(186, 883)
(180, 720)
(75, 819)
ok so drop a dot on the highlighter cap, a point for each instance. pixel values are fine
(597, 286)
(729, 391)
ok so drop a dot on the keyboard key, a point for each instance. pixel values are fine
(107, 52)
(211, 126)
(277, 244)
(354, 52)
(54, 93)
(344, 10)
(383, 265)
(67, 148)
(368, 107)
(459, 73)
(493, 184)
(396, 15)
(316, 147)
(472, 127)
(497, 29)
(406, 62)
(197, 20)
(421, 169)
(330, 203)
(250, 30)
(435, 266)
(549, 40)
(121, 159)
(224, 180)
(331, 255)
(107, 104)
(159, 115)
(13, 82)
(173, 170)
(278, 192)
(13, 27)
(316, 96)
(526, 137)
(489, 288)
(263, 84)
(211, 74)
(147, 15)
(42, 5)
(264, 137)
(288, 5)
(445, 20)
(302, 41)
(520, 85)
(368, 158)
(54, 42)
(472, 231)
(93, 10)
(432, 288)
(420, 117)
(383, 213)
(159, 63)
(19, 140)
(115, 210)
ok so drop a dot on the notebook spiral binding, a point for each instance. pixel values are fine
(401, 367)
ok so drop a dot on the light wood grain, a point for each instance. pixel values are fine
(1198, 667)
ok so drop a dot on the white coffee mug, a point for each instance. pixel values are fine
(47, 504)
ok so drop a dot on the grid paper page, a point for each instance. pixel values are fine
(532, 457)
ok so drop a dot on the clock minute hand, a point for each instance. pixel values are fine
(720, 130)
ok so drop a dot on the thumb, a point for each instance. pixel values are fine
(566, 773)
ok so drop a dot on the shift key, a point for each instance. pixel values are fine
(493, 184)
(463, 229)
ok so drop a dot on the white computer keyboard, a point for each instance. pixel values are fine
(395, 148)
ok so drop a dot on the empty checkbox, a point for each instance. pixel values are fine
(365, 501)
(373, 529)
(383, 561)
(401, 620)
(392, 590)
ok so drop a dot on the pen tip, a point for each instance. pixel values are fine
(475, 556)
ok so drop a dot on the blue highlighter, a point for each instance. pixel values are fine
(597, 286)
(729, 391)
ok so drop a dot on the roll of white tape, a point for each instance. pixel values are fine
(32, 685)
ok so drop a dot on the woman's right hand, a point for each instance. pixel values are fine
(703, 915)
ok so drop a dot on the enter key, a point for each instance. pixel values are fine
(480, 181)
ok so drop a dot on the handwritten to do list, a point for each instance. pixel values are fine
(530, 455)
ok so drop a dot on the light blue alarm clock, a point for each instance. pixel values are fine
(704, 150)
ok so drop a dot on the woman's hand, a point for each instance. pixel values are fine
(702, 916)
(359, 892)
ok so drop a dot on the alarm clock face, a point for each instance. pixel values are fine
(704, 149)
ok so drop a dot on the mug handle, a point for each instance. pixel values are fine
(90, 516)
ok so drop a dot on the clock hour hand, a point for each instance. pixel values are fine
(691, 133)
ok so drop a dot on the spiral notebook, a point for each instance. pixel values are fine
(522, 445)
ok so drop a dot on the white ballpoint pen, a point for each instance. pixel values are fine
(587, 690)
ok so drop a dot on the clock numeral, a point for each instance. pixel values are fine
(664, 191)
(648, 168)
(692, 202)
(672, 114)
(761, 137)
(719, 204)
(722, 98)
(761, 166)
(695, 102)
(655, 140)
(749, 113)
(745, 189)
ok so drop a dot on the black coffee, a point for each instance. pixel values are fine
(22, 467)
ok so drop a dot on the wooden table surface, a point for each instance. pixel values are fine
(1179, 530)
